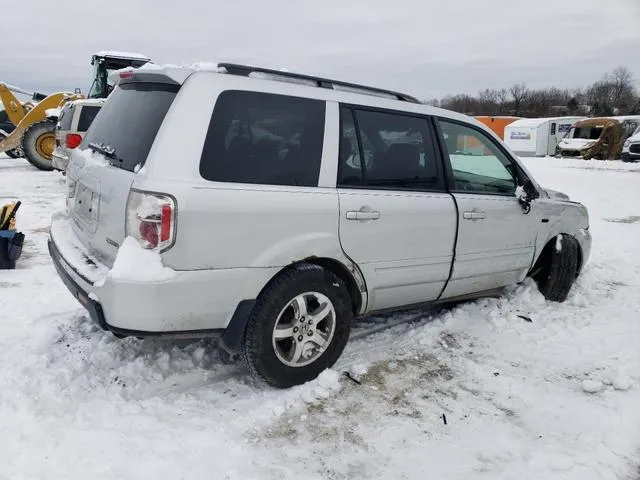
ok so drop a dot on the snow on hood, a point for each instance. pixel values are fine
(634, 138)
(576, 143)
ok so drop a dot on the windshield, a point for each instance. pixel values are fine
(587, 133)
(99, 86)
(126, 125)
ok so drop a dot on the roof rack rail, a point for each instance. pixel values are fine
(246, 70)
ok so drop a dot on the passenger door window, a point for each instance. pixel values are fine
(263, 138)
(388, 151)
(478, 165)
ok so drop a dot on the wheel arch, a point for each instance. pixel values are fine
(544, 257)
(351, 276)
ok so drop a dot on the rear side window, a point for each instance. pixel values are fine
(66, 117)
(388, 151)
(263, 138)
(128, 122)
(87, 116)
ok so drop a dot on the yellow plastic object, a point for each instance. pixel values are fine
(14, 108)
(9, 209)
(36, 114)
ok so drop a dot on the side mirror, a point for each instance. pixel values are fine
(531, 190)
(526, 194)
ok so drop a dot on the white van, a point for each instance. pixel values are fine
(537, 137)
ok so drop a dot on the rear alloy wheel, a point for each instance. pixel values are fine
(38, 143)
(299, 326)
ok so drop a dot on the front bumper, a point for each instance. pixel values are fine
(570, 153)
(630, 157)
(583, 236)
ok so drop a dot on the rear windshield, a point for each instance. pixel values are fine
(66, 117)
(127, 124)
(86, 117)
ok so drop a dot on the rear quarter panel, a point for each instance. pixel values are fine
(226, 225)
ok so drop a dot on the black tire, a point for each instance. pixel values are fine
(258, 350)
(14, 152)
(559, 271)
(30, 140)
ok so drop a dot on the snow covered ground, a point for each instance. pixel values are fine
(557, 397)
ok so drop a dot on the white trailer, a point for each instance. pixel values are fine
(537, 137)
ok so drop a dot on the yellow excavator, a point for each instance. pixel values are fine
(30, 127)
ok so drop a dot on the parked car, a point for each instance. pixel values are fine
(237, 208)
(73, 122)
(631, 148)
(599, 138)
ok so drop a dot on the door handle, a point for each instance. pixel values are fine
(360, 215)
(474, 215)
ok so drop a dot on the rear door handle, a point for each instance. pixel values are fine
(474, 215)
(359, 215)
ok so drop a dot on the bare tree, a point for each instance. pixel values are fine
(519, 93)
(614, 93)
(503, 100)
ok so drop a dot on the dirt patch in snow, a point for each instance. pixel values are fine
(629, 219)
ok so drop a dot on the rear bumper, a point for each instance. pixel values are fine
(79, 292)
(191, 304)
(59, 160)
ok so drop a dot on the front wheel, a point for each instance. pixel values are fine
(38, 143)
(557, 268)
(298, 327)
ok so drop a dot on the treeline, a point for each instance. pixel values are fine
(614, 94)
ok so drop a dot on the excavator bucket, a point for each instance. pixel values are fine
(13, 107)
(34, 132)
(36, 114)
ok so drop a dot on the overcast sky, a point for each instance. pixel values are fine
(426, 47)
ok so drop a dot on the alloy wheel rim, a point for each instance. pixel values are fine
(304, 329)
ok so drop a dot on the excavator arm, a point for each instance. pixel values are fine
(14, 108)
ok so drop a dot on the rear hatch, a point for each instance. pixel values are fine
(103, 168)
(62, 128)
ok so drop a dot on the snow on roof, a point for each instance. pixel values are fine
(622, 118)
(111, 53)
(90, 101)
(536, 122)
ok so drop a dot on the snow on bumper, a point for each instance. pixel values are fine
(189, 302)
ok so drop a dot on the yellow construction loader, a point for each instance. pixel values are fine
(34, 122)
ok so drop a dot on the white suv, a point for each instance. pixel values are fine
(274, 207)
(74, 121)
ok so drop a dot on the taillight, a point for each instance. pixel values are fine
(72, 140)
(151, 219)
